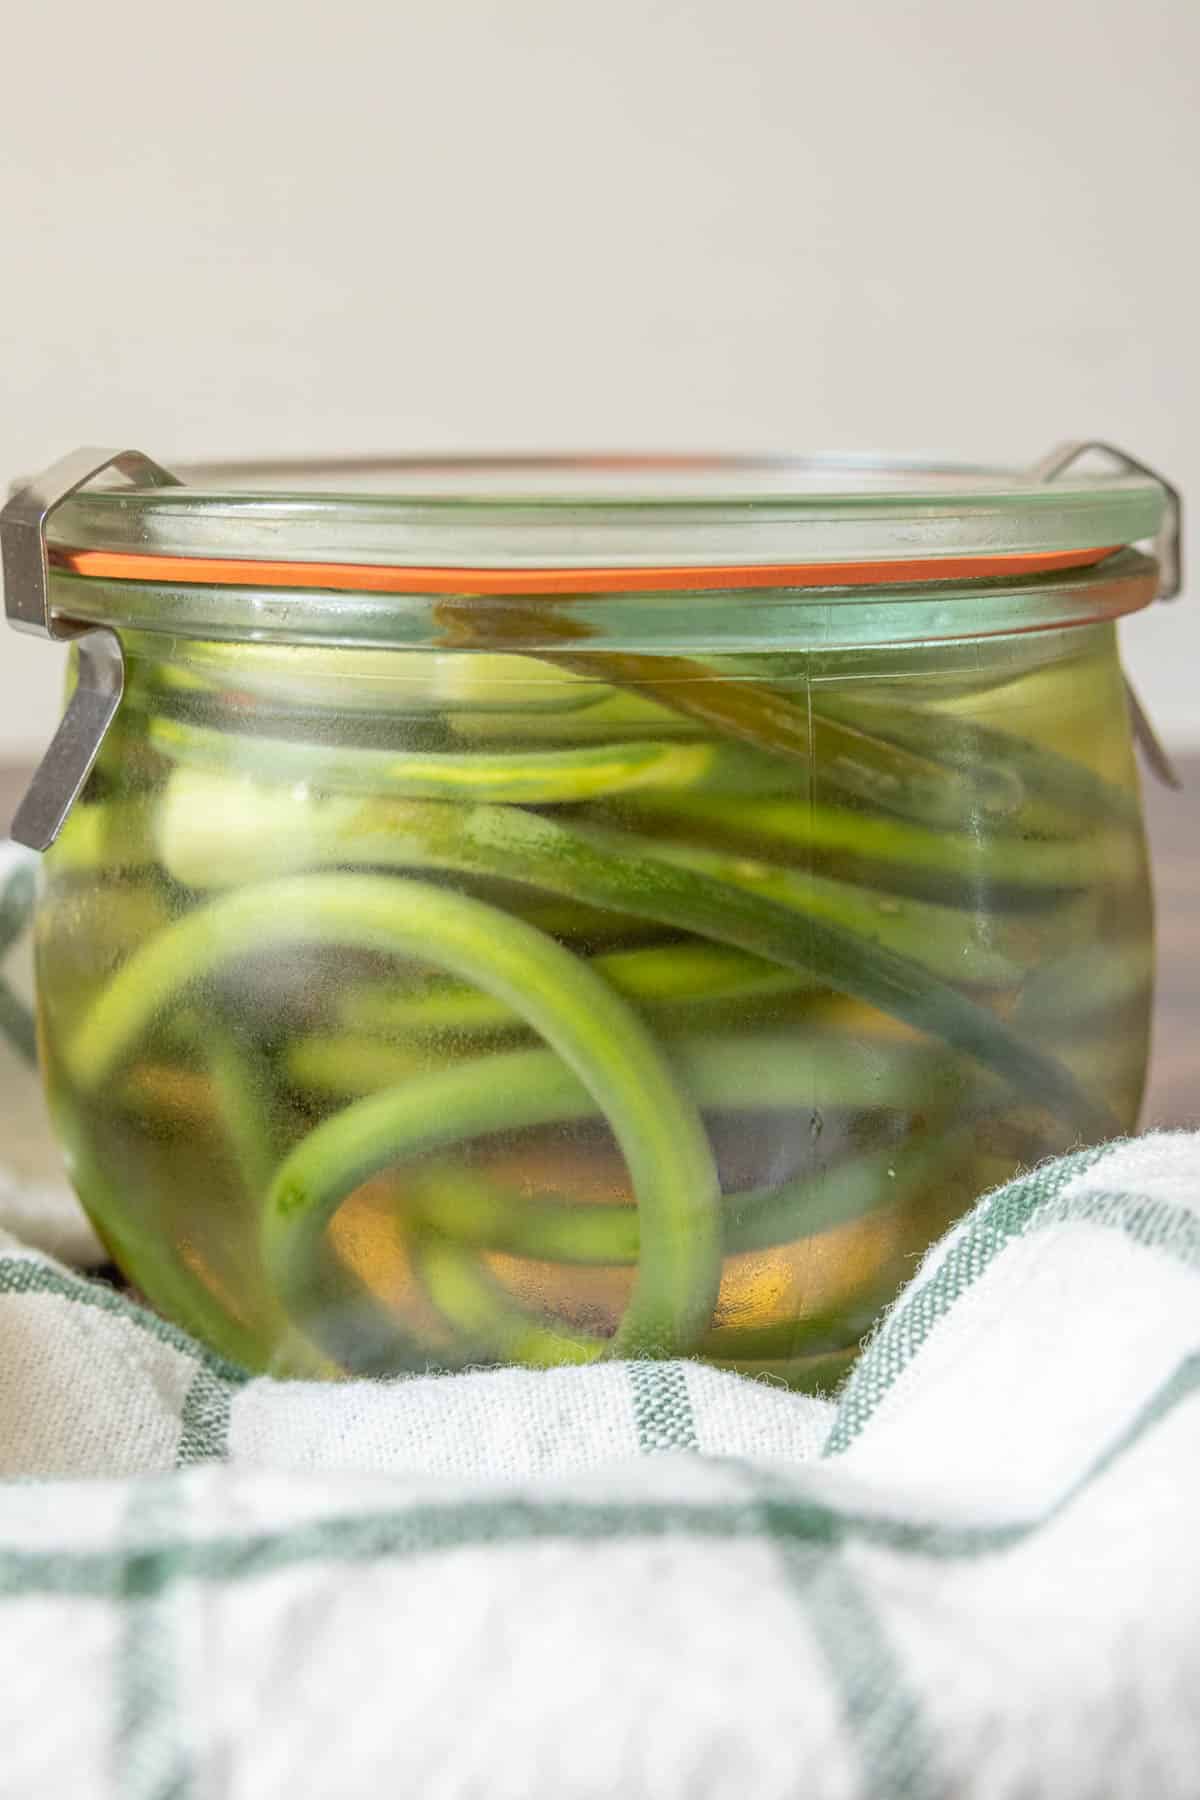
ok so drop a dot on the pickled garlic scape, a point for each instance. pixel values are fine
(484, 1005)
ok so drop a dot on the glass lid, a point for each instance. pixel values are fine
(564, 523)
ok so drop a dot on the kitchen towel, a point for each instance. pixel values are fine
(974, 1571)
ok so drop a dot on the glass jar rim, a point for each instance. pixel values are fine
(382, 550)
(697, 621)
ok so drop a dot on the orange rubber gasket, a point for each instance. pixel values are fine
(221, 571)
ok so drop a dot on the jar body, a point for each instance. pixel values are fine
(408, 1010)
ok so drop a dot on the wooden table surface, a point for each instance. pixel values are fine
(1173, 1097)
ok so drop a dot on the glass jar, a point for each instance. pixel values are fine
(531, 911)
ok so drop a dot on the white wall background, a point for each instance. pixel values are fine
(280, 225)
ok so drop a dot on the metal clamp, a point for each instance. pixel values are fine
(1169, 546)
(100, 680)
(1169, 553)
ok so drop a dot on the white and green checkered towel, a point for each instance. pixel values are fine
(974, 1573)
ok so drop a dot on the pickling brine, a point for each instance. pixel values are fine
(417, 1009)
